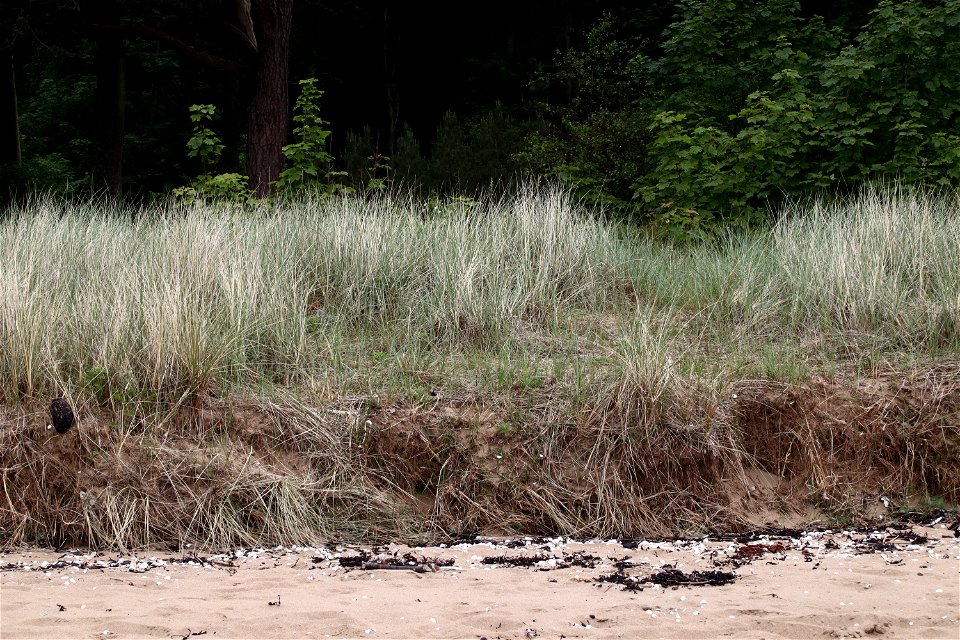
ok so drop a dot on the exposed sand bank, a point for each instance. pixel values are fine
(822, 584)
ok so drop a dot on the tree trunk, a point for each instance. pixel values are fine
(110, 101)
(269, 108)
(10, 145)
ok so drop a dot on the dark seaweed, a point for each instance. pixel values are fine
(670, 577)
(586, 560)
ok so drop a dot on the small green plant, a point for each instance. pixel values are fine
(934, 503)
(378, 173)
(314, 324)
(96, 381)
(230, 187)
(206, 147)
(119, 389)
(309, 165)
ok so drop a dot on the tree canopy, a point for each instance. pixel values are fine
(688, 113)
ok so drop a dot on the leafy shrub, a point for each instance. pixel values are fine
(206, 147)
(50, 173)
(409, 164)
(309, 164)
(746, 104)
(597, 143)
(881, 108)
(475, 153)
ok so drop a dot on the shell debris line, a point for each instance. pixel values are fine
(897, 577)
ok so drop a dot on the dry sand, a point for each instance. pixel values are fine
(818, 585)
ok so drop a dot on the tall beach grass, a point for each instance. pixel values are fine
(188, 295)
(280, 330)
(169, 302)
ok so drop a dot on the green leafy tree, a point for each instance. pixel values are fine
(883, 107)
(309, 164)
(889, 103)
(705, 175)
(719, 52)
(748, 103)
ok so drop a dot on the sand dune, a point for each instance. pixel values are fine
(821, 585)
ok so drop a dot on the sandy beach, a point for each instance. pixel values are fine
(890, 584)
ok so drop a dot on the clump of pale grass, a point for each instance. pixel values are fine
(191, 296)
(886, 261)
(882, 263)
(178, 300)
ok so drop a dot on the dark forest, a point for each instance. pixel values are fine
(659, 110)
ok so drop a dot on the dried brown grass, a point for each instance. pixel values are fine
(281, 471)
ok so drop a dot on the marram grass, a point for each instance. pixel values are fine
(585, 340)
(178, 299)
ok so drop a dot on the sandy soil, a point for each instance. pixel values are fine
(816, 585)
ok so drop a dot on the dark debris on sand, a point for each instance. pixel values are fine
(896, 521)
(677, 578)
(747, 553)
(368, 560)
(545, 562)
(670, 577)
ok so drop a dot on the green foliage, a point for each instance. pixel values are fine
(51, 173)
(359, 145)
(597, 143)
(309, 165)
(881, 108)
(96, 380)
(367, 169)
(473, 153)
(56, 94)
(450, 157)
(409, 164)
(120, 389)
(705, 177)
(609, 71)
(205, 146)
(889, 103)
(53, 116)
(718, 52)
(223, 187)
(747, 104)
